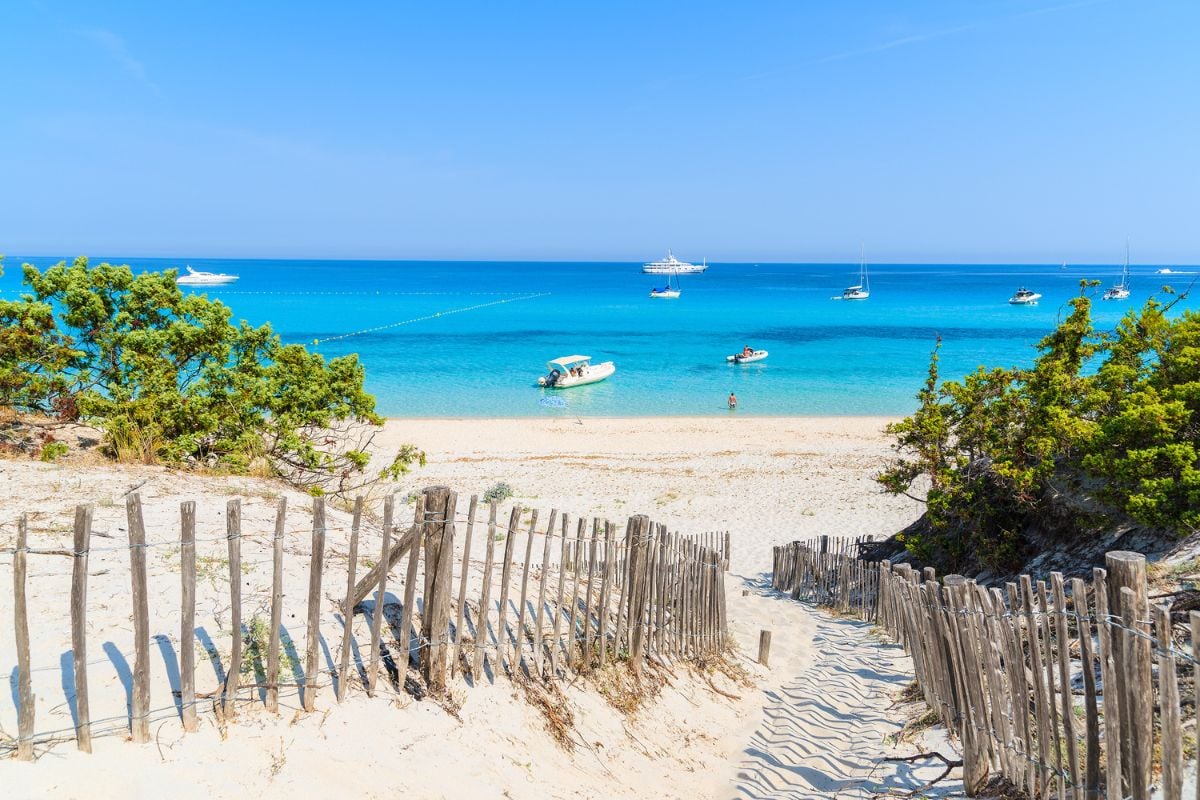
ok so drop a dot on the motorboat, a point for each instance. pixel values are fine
(195, 277)
(568, 371)
(668, 292)
(863, 290)
(672, 265)
(746, 358)
(1121, 290)
(1024, 297)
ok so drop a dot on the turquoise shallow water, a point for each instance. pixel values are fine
(827, 357)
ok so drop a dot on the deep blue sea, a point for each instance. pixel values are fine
(463, 352)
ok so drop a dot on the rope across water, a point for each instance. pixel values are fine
(434, 315)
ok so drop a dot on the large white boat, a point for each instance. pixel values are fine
(1024, 297)
(668, 292)
(571, 371)
(863, 290)
(195, 277)
(1121, 290)
(671, 264)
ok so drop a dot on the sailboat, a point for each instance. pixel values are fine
(863, 290)
(1121, 290)
(668, 292)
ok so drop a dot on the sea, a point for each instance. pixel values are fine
(470, 339)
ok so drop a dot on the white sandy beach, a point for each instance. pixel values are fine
(765, 480)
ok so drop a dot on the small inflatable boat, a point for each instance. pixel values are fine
(757, 355)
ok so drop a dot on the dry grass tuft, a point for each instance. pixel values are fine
(548, 698)
(624, 689)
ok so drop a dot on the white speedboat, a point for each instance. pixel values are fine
(863, 290)
(195, 277)
(668, 292)
(1024, 297)
(672, 265)
(571, 371)
(746, 358)
(1121, 290)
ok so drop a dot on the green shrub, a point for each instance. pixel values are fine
(1116, 411)
(170, 378)
(52, 451)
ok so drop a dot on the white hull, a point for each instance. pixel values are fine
(1024, 301)
(194, 277)
(1116, 293)
(592, 374)
(667, 269)
(186, 281)
(668, 295)
(758, 355)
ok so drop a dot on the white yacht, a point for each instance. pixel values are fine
(571, 371)
(1121, 290)
(863, 290)
(671, 264)
(668, 292)
(1024, 297)
(195, 277)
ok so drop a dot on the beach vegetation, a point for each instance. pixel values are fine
(170, 378)
(53, 450)
(1103, 428)
(498, 492)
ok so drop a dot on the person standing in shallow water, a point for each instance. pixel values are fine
(732, 401)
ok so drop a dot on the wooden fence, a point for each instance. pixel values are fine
(545, 601)
(1063, 688)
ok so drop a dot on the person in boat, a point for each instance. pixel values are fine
(747, 352)
(732, 401)
(554, 376)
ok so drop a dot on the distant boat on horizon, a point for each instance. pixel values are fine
(671, 264)
(1024, 297)
(668, 292)
(195, 277)
(1121, 290)
(863, 289)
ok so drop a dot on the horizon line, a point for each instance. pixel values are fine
(622, 262)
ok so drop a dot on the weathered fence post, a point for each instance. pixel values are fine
(440, 504)
(25, 703)
(347, 607)
(276, 603)
(79, 569)
(540, 617)
(315, 567)
(519, 651)
(187, 626)
(389, 502)
(514, 519)
(485, 600)
(139, 723)
(233, 539)
(1127, 570)
(461, 603)
(764, 647)
(640, 525)
(410, 590)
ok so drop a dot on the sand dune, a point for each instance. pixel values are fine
(813, 720)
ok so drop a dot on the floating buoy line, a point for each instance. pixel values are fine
(434, 315)
(215, 290)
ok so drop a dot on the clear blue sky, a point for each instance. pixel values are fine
(992, 130)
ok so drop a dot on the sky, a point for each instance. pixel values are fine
(994, 131)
